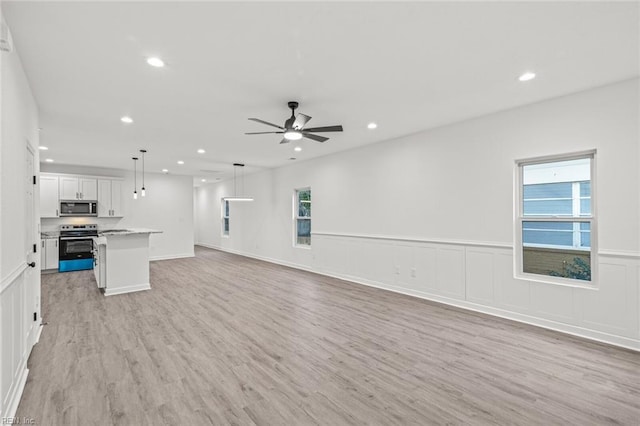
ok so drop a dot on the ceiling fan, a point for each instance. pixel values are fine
(294, 129)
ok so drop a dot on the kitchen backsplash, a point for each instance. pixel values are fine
(53, 224)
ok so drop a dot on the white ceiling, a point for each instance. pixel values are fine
(406, 66)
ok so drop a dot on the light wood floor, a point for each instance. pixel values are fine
(222, 339)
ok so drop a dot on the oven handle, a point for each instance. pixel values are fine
(75, 238)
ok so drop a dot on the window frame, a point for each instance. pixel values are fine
(519, 219)
(225, 213)
(296, 217)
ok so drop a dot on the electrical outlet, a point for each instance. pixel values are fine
(413, 272)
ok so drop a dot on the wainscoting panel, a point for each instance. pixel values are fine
(375, 261)
(13, 343)
(614, 293)
(404, 265)
(480, 276)
(480, 279)
(426, 258)
(551, 301)
(451, 271)
(511, 294)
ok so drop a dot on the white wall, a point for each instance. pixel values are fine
(168, 207)
(19, 285)
(441, 203)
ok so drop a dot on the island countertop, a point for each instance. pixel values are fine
(128, 231)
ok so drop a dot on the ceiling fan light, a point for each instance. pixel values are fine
(292, 135)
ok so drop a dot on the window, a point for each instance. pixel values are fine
(302, 217)
(556, 226)
(225, 217)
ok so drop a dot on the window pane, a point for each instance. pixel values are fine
(226, 225)
(585, 189)
(226, 208)
(547, 190)
(303, 231)
(557, 262)
(304, 203)
(585, 207)
(548, 238)
(585, 235)
(556, 234)
(304, 210)
(549, 207)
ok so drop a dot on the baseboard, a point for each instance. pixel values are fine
(39, 333)
(16, 394)
(124, 290)
(171, 256)
(266, 259)
(595, 335)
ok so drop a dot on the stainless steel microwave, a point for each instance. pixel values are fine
(78, 208)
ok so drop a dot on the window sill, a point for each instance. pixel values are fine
(304, 247)
(564, 282)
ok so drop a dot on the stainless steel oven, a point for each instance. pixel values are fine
(78, 208)
(76, 247)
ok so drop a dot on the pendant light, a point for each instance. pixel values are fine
(142, 191)
(237, 197)
(135, 183)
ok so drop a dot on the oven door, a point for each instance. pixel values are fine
(75, 254)
(72, 248)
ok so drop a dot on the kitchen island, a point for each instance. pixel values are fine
(121, 260)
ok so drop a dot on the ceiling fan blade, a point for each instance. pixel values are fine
(314, 137)
(266, 122)
(285, 140)
(261, 133)
(325, 129)
(301, 120)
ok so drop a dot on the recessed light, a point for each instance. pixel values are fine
(180, 162)
(165, 170)
(372, 125)
(201, 151)
(155, 62)
(126, 119)
(43, 148)
(49, 160)
(527, 76)
(203, 180)
(297, 149)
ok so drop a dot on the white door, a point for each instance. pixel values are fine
(104, 198)
(31, 275)
(116, 198)
(88, 189)
(49, 196)
(69, 188)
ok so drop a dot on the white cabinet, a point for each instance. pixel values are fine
(108, 191)
(109, 198)
(49, 196)
(78, 188)
(49, 254)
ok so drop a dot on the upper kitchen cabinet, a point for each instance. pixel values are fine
(110, 198)
(78, 188)
(49, 196)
